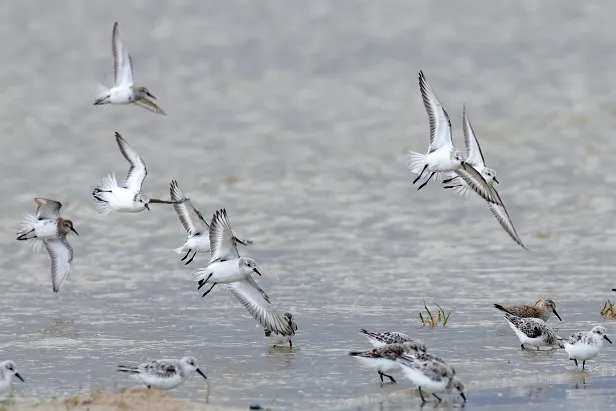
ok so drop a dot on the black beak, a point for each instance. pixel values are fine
(463, 396)
(74, 231)
(556, 314)
(147, 206)
(256, 271)
(151, 95)
(605, 336)
(19, 376)
(201, 373)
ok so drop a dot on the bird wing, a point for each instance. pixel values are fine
(223, 244)
(61, 254)
(474, 156)
(137, 171)
(501, 215)
(478, 184)
(47, 209)
(190, 218)
(122, 63)
(440, 125)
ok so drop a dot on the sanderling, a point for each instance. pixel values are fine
(532, 331)
(585, 345)
(8, 369)
(165, 374)
(474, 158)
(542, 310)
(379, 340)
(383, 359)
(430, 374)
(280, 339)
(195, 225)
(47, 227)
(227, 267)
(129, 198)
(442, 155)
(124, 90)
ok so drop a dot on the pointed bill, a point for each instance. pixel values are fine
(149, 105)
(137, 171)
(223, 245)
(47, 209)
(477, 183)
(61, 254)
(252, 299)
(501, 215)
(122, 64)
(440, 125)
(474, 156)
(190, 218)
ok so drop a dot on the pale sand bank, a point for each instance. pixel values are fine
(135, 399)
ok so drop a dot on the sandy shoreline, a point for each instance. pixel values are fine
(135, 399)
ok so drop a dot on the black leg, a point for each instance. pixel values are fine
(21, 237)
(423, 400)
(208, 291)
(583, 364)
(290, 343)
(187, 252)
(576, 364)
(390, 378)
(381, 375)
(202, 283)
(437, 397)
(426, 182)
(522, 346)
(420, 174)
(191, 258)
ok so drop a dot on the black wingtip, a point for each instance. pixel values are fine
(364, 331)
(354, 353)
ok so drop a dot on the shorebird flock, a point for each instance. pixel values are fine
(461, 173)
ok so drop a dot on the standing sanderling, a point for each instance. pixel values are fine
(384, 359)
(165, 374)
(379, 340)
(542, 310)
(227, 267)
(431, 374)
(442, 155)
(124, 90)
(8, 369)
(194, 224)
(585, 345)
(474, 158)
(129, 198)
(533, 331)
(280, 339)
(47, 227)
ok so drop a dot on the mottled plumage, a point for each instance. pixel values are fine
(532, 331)
(279, 339)
(542, 310)
(390, 337)
(585, 345)
(384, 359)
(165, 373)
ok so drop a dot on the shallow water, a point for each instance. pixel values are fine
(296, 118)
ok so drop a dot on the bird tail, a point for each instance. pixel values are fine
(102, 93)
(416, 162)
(128, 369)
(503, 309)
(101, 194)
(26, 232)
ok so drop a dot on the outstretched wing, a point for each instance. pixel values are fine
(440, 125)
(47, 209)
(149, 105)
(61, 254)
(501, 215)
(190, 218)
(223, 244)
(478, 184)
(122, 64)
(137, 171)
(260, 309)
(474, 156)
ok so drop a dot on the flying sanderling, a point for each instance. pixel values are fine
(47, 227)
(128, 198)
(474, 158)
(533, 331)
(227, 267)
(585, 345)
(430, 374)
(379, 340)
(195, 225)
(124, 90)
(165, 374)
(8, 369)
(542, 310)
(442, 155)
(280, 339)
(384, 359)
